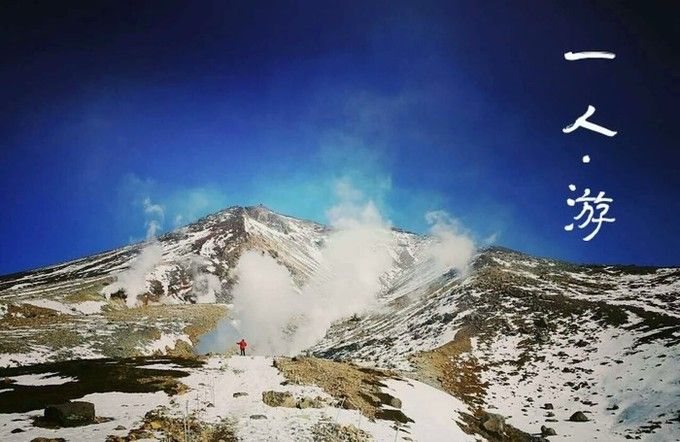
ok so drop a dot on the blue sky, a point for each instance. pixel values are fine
(423, 106)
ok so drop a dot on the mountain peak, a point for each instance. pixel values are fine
(469, 331)
(259, 210)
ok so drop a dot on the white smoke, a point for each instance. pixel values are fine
(152, 228)
(205, 286)
(265, 302)
(278, 318)
(155, 217)
(452, 247)
(133, 280)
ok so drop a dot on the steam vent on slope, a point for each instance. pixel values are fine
(356, 331)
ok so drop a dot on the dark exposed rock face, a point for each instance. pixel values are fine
(541, 323)
(392, 415)
(388, 399)
(493, 423)
(70, 414)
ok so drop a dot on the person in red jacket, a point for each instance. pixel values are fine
(242, 344)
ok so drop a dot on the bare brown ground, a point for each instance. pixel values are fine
(128, 327)
(201, 317)
(455, 371)
(352, 386)
(156, 423)
(30, 315)
(458, 376)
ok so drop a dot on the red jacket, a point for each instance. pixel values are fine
(242, 344)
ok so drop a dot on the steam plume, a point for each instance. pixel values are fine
(205, 286)
(281, 319)
(453, 247)
(133, 280)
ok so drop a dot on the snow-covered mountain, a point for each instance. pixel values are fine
(537, 340)
(211, 246)
(534, 340)
(214, 243)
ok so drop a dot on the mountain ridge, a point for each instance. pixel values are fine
(254, 208)
(515, 333)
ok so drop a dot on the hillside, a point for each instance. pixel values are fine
(534, 340)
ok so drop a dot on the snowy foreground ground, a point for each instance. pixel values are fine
(434, 412)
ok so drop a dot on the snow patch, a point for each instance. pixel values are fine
(41, 379)
(434, 412)
(166, 342)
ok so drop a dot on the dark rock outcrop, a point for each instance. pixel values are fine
(493, 423)
(579, 417)
(547, 431)
(70, 414)
(278, 399)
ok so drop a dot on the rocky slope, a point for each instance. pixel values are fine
(537, 340)
(76, 309)
(210, 246)
(533, 340)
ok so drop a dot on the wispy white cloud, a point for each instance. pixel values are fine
(153, 209)
(161, 201)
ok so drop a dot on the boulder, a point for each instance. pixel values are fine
(388, 399)
(258, 416)
(541, 322)
(278, 399)
(330, 431)
(240, 394)
(120, 294)
(48, 439)
(493, 423)
(70, 413)
(448, 317)
(579, 417)
(307, 402)
(547, 431)
(543, 337)
(548, 406)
